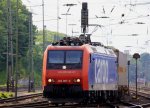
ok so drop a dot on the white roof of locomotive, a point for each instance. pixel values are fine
(102, 50)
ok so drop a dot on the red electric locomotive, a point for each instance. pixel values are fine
(64, 71)
(81, 72)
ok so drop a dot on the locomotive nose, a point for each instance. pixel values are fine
(64, 77)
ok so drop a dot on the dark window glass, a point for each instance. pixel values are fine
(56, 57)
(70, 59)
(73, 57)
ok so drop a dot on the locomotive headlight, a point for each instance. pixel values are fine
(78, 80)
(49, 80)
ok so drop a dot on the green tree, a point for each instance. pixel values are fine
(143, 67)
(145, 59)
(23, 29)
(23, 34)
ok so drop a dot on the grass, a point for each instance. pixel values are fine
(2, 85)
(4, 95)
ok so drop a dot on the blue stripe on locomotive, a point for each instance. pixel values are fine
(102, 69)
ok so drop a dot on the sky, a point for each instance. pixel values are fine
(127, 28)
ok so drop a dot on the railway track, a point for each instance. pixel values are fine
(46, 104)
(43, 103)
(20, 98)
(141, 94)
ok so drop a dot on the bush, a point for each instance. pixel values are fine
(4, 95)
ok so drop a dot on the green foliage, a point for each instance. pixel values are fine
(4, 95)
(3, 85)
(50, 37)
(23, 41)
(38, 77)
(2, 77)
(143, 67)
(23, 28)
(38, 51)
(38, 55)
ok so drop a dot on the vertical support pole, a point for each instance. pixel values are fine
(43, 26)
(16, 82)
(57, 18)
(29, 55)
(72, 31)
(136, 56)
(136, 78)
(32, 68)
(66, 21)
(7, 46)
(11, 48)
(9, 65)
(66, 25)
(7, 70)
(128, 78)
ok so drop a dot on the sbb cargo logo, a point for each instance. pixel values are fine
(101, 71)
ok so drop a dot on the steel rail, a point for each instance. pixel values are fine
(19, 98)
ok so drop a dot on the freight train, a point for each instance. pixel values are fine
(76, 71)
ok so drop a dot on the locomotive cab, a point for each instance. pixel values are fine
(80, 72)
(62, 72)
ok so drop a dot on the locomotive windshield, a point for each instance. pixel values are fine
(57, 59)
(73, 57)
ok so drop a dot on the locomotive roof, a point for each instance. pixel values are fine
(78, 42)
(92, 49)
(103, 50)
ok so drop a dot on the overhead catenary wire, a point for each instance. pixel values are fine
(116, 22)
(112, 9)
(135, 4)
(35, 6)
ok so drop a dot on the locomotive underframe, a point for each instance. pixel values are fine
(62, 91)
(74, 93)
